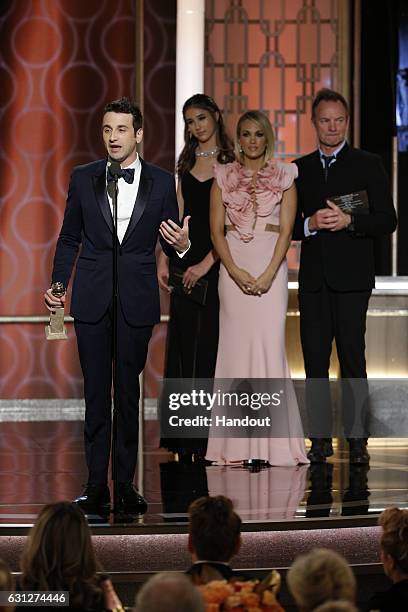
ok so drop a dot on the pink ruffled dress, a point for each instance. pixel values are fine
(252, 328)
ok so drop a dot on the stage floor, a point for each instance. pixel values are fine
(41, 462)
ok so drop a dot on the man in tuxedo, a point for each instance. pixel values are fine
(147, 207)
(214, 538)
(336, 273)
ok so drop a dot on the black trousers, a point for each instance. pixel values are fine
(95, 348)
(326, 315)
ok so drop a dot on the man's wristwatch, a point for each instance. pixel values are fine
(350, 227)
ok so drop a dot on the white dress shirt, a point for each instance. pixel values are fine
(127, 193)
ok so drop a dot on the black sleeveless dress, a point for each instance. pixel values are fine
(192, 337)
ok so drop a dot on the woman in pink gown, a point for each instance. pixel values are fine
(253, 207)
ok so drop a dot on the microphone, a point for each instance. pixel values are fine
(114, 169)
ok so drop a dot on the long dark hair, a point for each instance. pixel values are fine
(59, 556)
(187, 157)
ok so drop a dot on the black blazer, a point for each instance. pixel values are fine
(393, 600)
(202, 572)
(343, 259)
(88, 222)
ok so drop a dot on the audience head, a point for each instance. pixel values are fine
(328, 95)
(394, 543)
(6, 583)
(319, 576)
(258, 120)
(169, 592)
(330, 117)
(59, 554)
(336, 606)
(214, 529)
(202, 121)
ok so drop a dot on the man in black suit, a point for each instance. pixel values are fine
(336, 274)
(147, 206)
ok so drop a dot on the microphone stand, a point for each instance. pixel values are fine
(115, 170)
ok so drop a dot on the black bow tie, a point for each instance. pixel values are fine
(126, 173)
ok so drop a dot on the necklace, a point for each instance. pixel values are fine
(210, 153)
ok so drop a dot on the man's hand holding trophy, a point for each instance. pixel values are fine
(55, 300)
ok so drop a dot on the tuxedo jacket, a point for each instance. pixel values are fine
(88, 223)
(202, 572)
(343, 259)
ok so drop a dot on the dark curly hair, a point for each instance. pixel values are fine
(124, 105)
(214, 528)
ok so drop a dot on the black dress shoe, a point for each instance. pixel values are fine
(321, 449)
(95, 499)
(358, 451)
(129, 500)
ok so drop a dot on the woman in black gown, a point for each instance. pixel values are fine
(192, 338)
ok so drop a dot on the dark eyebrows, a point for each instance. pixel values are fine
(106, 125)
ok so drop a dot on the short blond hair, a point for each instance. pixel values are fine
(319, 576)
(169, 592)
(262, 120)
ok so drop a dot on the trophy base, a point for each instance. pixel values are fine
(50, 334)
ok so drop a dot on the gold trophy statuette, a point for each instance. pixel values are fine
(56, 330)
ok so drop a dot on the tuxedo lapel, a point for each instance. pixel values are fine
(99, 182)
(142, 198)
(317, 168)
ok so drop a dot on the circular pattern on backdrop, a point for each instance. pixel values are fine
(36, 208)
(88, 10)
(9, 178)
(9, 360)
(9, 267)
(36, 132)
(8, 87)
(39, 49)
(71, 89)
(64, 61)
(154, 82)
(113, 51)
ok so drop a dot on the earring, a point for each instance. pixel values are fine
(240, 148)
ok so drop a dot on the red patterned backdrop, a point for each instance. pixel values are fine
(61, 60)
